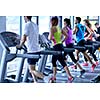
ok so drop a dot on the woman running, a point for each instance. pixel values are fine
(55, 36)
(69, 44)
(89, 38)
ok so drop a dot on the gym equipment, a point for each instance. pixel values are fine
(48, 50)
(10, 39)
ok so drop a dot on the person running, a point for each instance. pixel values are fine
(69, 44)
(97, 31)
(79, 31)
(89, 41)
(55, 36)
(31, 36)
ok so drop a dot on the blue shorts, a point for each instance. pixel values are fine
(32, 61)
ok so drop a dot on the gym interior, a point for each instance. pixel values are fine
(13, 61)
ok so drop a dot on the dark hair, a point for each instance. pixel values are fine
(96, 24)
(29, 17)
(79, 19)
(88, 23)
(68, 22)
(55, 19)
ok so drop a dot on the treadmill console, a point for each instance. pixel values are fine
(10, 38)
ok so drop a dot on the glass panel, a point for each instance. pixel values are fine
(93, 26)
(13, 24)
(44, 24)
(93, 17)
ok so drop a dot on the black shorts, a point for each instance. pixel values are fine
(32, 61)
(82, 43)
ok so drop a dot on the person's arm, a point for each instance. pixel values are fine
(22, 41)
(75, 30)
(90, 33)
(52, 31)
(64, 32)
(86, 33)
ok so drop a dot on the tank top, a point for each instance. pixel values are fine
(69, 38)
(57, 37)
(91, 31)
(80, 32)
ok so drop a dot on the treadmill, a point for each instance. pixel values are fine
(7, 40)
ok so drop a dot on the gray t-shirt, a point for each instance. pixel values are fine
(32, 32)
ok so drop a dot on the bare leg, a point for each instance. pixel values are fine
(89, 59)
(35, 73)
(68, 72)
(79, 66)
(77, 54)
(54, 71)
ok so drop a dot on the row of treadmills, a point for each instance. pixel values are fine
(10, 39)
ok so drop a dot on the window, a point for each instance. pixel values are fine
(13, 24)
(93, 17)
(44, 24)
(93, 20)
(93, 24)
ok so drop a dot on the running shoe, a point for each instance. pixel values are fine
(93, 67)
(85, 64)
(70, 80)
(97, 63)
(52, 80)
(82, 72)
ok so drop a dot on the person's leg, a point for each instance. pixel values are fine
(77, 55)
(54, 60)
(92, 51)
(35, 74)
(61, 60)
(93, 55)
(89, 59)
(82, 71)
(86, 61)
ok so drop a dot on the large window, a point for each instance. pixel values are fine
(93, 17)
(13, 24)
(44, 24)
(93, 20)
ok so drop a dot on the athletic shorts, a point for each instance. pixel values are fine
(32, 61)
(82, 43)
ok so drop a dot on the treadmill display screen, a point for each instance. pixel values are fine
(11, 39)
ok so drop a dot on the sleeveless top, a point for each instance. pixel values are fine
(80, 32)
(70, 36)
(90, 31)
(57, 36)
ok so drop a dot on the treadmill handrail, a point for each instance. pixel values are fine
(79, 47)
(28, 56)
